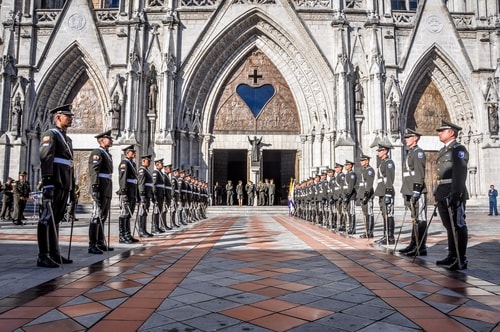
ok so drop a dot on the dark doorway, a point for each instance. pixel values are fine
(229, 165)
(279, 165)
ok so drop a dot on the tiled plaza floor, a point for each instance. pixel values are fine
(252, 273)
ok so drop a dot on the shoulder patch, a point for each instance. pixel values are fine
(353, 176)
(370, 172)
(96, 157)
(123, 166)
(461, 154)
(389, 165)
(141, 171)
(420, 155)
(46, 139)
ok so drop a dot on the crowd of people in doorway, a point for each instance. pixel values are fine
(261, 194)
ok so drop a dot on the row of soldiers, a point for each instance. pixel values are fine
(176, 197)
(173, 196)
(330, 198)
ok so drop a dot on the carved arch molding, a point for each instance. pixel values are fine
(438, 94)
(228, 50)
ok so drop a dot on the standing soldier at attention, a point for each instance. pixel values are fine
(365, 193)
(58, 179)
(21, 195)
(351, 180)
(385, 192)
(415, 193)
(7, 199)
(337, 196)
(100, 173)
(451, 194)
(159, 195)
(167, 203)
(127, 193)
(145, 187)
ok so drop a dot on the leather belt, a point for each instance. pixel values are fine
(134, 181)
(148, 184)
(444, 181)
(105, 175)
(407, 174)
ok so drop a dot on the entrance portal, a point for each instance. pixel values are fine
(279, 165)
(229, 165)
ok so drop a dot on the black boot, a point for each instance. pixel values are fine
(352, 224)
(93, 230)
(390, 230)
(54, 249)
(334, 221)
(371, 226)
(122, 236)
(128, 233)
(44, 259)
(365, 235)
(462, 238)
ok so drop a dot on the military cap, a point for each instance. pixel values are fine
(348, 162)
(364, 157)
(448, 125)
(9, 178)
(410, 133)
(338, 165)
(383, 147)
(159, 161)
(106, 134)
(175, 170)
(167, 166)
(129, 148)
(330, 170)
(148, 157)
(23, 173)
(64, 109)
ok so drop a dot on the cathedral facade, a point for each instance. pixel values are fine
(252, 89)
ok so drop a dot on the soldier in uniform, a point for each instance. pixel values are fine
(338, 217)
(365, 193)
(159, 195)
(167, 205)
(100, 173)
(127, 193)
(145, 187)
(7, 199)
(415, 193)
(330, 202)
(176, 198)
(21, 196)
(181, 197)
(385, 192)
(451, 194)
(56, 164)
(250, 189)
(349, 191)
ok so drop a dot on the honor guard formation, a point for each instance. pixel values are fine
(329, 199)
(171, 196)
(168, 197)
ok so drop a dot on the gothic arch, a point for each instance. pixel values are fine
(254, 30)
(437, 68)
(59, 80)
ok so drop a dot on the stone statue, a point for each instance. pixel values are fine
(493, 118)
(255, 142)
(17, 114)
(153, 90)
(394, 115)
(115, 111)
(358, 97)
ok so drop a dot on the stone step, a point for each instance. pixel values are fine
(246, 210)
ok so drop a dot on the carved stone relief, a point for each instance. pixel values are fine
(87, 108)
(278, 115)
(429, 109)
